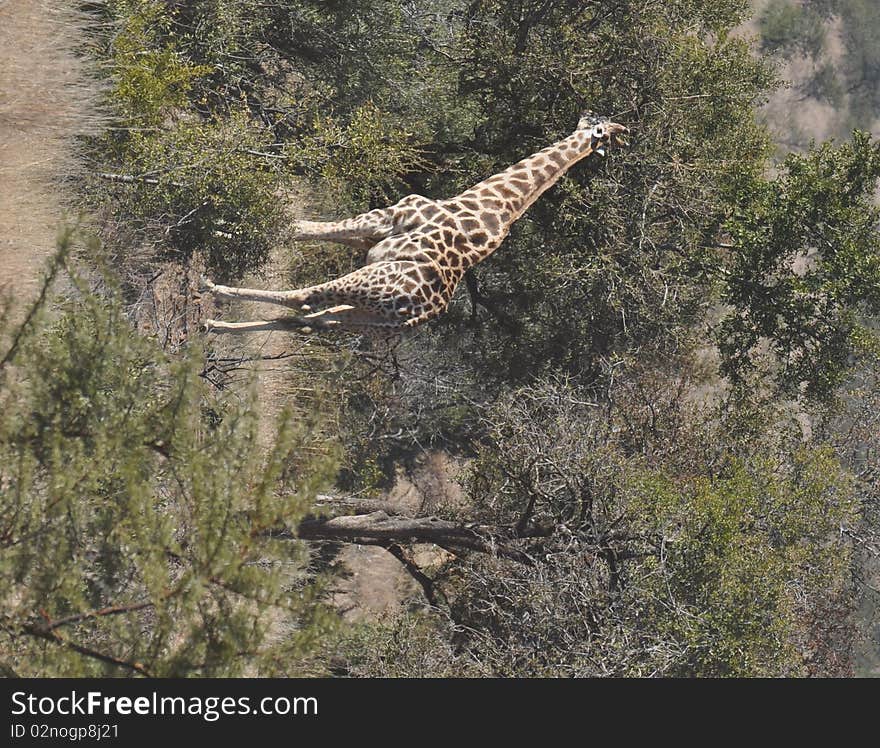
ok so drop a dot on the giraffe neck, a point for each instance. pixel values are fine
(511, 192)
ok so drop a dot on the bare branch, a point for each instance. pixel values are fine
(111, 610)
(42, 632)
(378, 528)
(56, 263)
(132, 178)
(425, 582)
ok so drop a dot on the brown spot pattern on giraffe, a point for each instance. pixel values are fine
(479, 238)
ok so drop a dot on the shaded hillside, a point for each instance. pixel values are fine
(829, 55)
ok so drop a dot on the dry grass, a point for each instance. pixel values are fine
(47, 101)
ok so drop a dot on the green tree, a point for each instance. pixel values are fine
(804, 280)
(138, 516)
(209, 142)
(791, 28)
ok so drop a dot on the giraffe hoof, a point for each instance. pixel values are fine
(305, 308)
(208, 325)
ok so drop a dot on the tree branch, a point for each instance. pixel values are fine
(356, 505)
(55, 265)
(479, 299)
(111, 610)
(42, 632)
(425, 582)
(379, 528)
(131, 178)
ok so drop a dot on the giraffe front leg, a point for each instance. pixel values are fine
(429, 314)
(296, 298)
(347, 317)
(342, 317)
(361, 231)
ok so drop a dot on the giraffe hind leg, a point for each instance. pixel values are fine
(342, 317)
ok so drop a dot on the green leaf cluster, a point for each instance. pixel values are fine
(804, 280)
(151, 76)
(208, 186)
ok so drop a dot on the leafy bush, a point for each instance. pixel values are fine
(709, 551)
(788, 27)
(138, 512)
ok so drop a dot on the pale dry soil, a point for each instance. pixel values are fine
(378, 587)
(794, 118)
(46, 100)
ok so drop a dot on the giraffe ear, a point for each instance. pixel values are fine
(588, 119)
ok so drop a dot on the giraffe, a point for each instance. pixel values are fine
(419, 249)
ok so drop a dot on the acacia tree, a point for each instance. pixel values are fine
(804, 276)
(658, 535)
(628, 261)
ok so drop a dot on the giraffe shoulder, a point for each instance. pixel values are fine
(414, 201)
(415, 211)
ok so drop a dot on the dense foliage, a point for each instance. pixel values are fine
(806, 274)
(686, 544)
(136, 508)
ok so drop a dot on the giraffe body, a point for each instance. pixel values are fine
(419, 249)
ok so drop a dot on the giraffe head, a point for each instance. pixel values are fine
(603, 132)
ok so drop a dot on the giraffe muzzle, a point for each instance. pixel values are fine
(606, 135)
(617, 134)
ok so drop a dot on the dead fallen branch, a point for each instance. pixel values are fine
(133, 178)
(380, 528)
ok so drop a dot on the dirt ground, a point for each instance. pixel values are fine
(376, 585)
(46, 101)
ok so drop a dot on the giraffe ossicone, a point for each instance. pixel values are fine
(419, 249)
